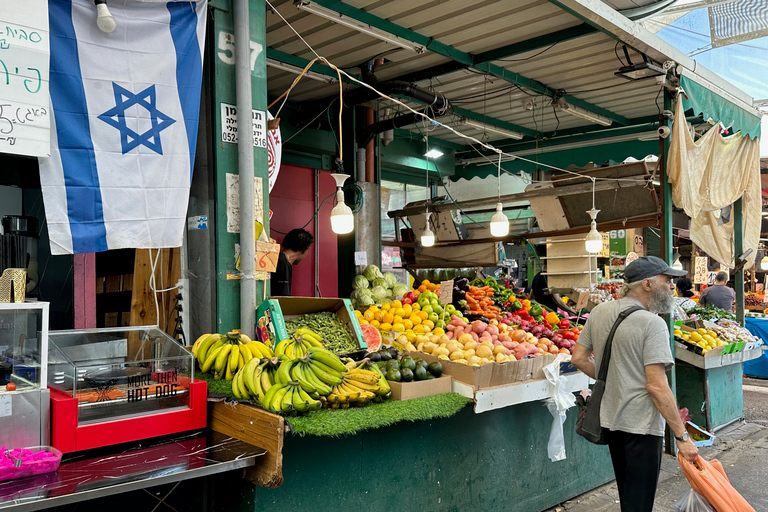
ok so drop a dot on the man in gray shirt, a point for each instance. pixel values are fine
(719, 294)
(637, 396)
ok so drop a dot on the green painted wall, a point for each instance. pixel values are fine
(726, 398)
(491, 461)
(225, 154)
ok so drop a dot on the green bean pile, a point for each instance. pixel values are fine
(336, 335)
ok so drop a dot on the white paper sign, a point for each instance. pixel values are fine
(5, 406)
(233, 202)
(229, 125)
(25, 120)
(701, 269)
(361, 258)
(446, 292)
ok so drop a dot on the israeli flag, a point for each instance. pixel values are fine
(125, 113)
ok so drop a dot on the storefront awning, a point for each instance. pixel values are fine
(712, 104)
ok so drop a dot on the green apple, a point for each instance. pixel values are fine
(427, 309)
(450, 309)
(434, 317)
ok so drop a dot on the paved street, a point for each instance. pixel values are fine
(742, 448)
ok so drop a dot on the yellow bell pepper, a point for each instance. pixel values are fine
(527, 304)
(552, 318)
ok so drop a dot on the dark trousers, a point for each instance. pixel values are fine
(636, 463)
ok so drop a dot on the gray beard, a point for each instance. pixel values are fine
(661, 300)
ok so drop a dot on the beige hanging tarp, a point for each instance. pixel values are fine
(710, 174)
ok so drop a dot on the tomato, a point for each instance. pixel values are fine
(568, 335)
(10, 386)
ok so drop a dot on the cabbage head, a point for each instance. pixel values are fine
(365, 301)
(372, 272)
(391, 279)
(379, 281)
(379, 293)
(400, 289)
(359, 294)
(390, 293)
(360, 282)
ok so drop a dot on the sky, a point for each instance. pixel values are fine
(745, 65)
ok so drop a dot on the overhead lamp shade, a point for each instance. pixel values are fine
(594, 240)
(764, 263)
(499, 223)
(342, 218)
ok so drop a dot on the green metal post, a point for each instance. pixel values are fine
(738, 247)
(666, 246)
(225, 153)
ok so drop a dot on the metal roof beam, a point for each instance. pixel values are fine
(459, 56)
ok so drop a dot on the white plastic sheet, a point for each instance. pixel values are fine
(561, 400)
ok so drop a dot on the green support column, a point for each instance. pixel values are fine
(738, 247)
(225, 153)
(666, 246)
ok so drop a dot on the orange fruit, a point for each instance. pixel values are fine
(387, 318)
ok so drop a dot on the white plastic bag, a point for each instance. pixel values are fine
(693, 502)
(558, 404)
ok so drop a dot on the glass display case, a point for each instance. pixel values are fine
(24, 397)
(120, 384)
(120, 372)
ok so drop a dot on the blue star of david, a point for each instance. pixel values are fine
(129, 139)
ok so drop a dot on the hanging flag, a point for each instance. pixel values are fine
(125, 114)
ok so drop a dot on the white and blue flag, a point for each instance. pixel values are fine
(125, 114)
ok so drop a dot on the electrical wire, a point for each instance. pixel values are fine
(286, 141)
(413, 111)
(311, 218)
(532, 56)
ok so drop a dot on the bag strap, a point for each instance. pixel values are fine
(605, 361)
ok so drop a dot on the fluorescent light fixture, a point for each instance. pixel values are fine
(499, 223)
(342, 218)
(594, 240)
(487, 128)
(297, 71)
(640, 70)
(434, 153)
(427, 236)
(566, 107)
(352, 23)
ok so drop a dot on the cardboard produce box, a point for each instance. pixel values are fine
(476, 376)
(272, 314)
(419, 389)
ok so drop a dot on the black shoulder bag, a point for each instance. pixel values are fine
(588, 420)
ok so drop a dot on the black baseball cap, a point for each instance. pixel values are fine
(649, 266)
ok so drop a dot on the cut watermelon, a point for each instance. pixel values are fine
(372, 337)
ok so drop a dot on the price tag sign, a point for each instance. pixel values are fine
(581, 303)
(267, 254)
(701, 270)
(605, 252)
(361, 258)
(446, 292)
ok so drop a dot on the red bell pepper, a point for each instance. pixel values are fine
(564, 324)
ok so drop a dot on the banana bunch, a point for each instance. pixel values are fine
(289, 397)
(298, 345)
(254, 380)
(226, 354)
(358, 387)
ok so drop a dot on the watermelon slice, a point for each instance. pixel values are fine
(372, 337)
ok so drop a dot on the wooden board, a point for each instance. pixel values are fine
(259, 428)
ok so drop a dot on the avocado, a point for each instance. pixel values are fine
(375, 357)
(430, 376)
(406, 375)
(385, 355)
(420, 373)
(407, 362)
(392, 364)
(435, 369)
(422, 363)
(395, 375)
(393, 352)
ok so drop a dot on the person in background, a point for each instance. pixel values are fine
(541, 293)
(295, 247)
(719, 294)
(637, 396)
(683, 300)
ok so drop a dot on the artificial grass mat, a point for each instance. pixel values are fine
(340, 422)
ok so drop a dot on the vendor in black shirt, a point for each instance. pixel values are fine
(540, 293)
(295, 247)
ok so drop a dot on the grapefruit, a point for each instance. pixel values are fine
(372, 337)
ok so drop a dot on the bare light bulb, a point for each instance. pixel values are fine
(342, 218)
(764, 263)
(594, 240)
(427, 236)
(104, 19)
(499, 223)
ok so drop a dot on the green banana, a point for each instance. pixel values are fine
(210, 360)
(284, 372)
(314, 340)
(277, 399)
(221, 359)
(236, 388)
(314, 405)
(300, 377)
(384, 387)
(249, 375)
(324, 375)
(327, 357)
(280, 348)
(286, 405)
(299, 403)
(321, 387)
(266, 400)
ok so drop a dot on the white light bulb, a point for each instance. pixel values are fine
(104, 19)
(594, 240)
(764, 263)
(342, 219)
(427, 236)
(677, 265)
(499, 223)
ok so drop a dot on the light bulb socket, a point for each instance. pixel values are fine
(340, 178)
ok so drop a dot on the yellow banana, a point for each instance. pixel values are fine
(221, 359)
(199, 341)
(244, 339)
(234, 359)
(366, 377)
(209, 362)
(246, 353)
(205, 347)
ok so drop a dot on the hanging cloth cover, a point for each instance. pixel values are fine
(124, 123)
(711, 105)
(710, 174)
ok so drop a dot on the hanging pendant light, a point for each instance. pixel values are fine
(676, 264)
(764, 263)
(499, 221)
(427, 236)
(342, 218)
(594, 240)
